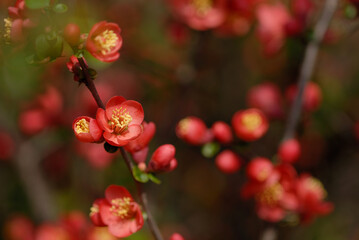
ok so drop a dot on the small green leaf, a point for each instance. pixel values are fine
(350, 11)
(35, 4)
(60, 8)
(42, 46)
(210, 149)
(139, 175)
(153, 178)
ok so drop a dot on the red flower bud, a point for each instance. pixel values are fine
(228, 162)
(72, 34)
(19, 228)
(86, 129)
(250, 124)
(289, 151)
(312, 96)
(192, 130)
(259, 169)
(33, 121)
(266, 97)
(222, 132)
(176, 236)
(163, 159)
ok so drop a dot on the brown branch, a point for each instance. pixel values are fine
(307, 69)
(143, 197)
(141, 193)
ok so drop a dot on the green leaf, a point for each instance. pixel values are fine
(60, 8)
(139, 175)
(42, 46)
(35, 4)
(350, 11)
(210, 149)
(153, 178)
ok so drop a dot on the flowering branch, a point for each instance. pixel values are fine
(307, 69)
(141, 193)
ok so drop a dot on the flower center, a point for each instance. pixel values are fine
(202, 6)
(7, 30)
(271, 194)
(316, 186)
(251, 121)
(120, 120)
(82, 126)
(121, 207)
(94, 209)
(107, 40)
(183, 126)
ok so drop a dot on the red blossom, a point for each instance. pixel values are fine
(7, 146)
(193, 131)
(200, 14)
(95, 154)
(266, 97)
(104, 41)
(163, 159)
(119, 212)
(121, 121)
(72, 34)
(250, 124)
(222, 132)
(289, 151)
(176, 236)
(312, 96)
(86, 129)
(228, 162)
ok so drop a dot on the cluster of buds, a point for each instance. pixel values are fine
(73, 225)
(279, 192)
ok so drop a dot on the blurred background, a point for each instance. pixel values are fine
(176, 71)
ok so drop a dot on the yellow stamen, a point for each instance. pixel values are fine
(251, 121)
(183, 126)
(202, 6)
(316, 185)
(121, 207)
(271, 194)
(94, 209)
(120, 120)
(107, 40)
(82, 126)
(7, 30)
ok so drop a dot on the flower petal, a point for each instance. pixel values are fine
(102, 120)
(135, 109)
(112, 104)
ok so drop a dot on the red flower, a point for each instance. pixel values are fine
(311, 194)
(104, 41)
(163, 159)
(266, 97)
(86, 129)
(7, 146)
(250, 124)
(193, 131)
(121, 120)
(176, 236)
(120, 213)
(259, 169)
(289, 151)
(72, 34)
(200, 14)
(222, 132)
(312, 96)
(271, 30)
(228, 162)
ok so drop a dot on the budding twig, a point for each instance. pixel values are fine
(307, 69)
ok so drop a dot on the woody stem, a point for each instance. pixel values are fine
(139, 186)
(307, 68)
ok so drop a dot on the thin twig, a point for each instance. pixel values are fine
(306, 71)
(143, 197)
(141, 193)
